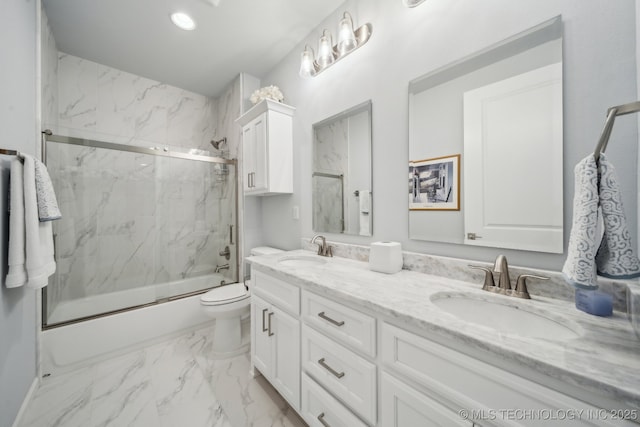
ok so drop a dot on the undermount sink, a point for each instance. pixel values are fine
(302, 261)
(505, 318)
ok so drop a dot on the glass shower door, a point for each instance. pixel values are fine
(137, 227)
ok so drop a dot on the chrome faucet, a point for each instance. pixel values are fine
(222, 267)
(323, 248)
(504, 281)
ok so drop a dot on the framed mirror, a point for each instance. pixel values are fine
(498, 113)
(341, 176)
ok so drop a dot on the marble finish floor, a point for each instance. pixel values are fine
(171, 384)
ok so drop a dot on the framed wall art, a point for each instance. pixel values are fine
(434, 184)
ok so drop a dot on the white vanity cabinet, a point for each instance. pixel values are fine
(338, 351)
(469, 388)
(275, 329)
(342, 364)
(267, 148)
(404, 406)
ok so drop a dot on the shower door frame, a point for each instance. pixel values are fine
(48, 136)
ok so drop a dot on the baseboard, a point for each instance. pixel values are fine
(25, 402)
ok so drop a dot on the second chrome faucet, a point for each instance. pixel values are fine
(504, 281)
(323, 248)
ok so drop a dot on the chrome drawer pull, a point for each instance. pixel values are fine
(330, 369)
(328, 319)
(264, 328)
(269, 325)
(322, 421)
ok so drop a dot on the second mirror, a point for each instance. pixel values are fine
(342, 197)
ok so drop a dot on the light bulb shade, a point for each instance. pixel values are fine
(325, 50)
(183, 21)
(307, 68)
(346, 37)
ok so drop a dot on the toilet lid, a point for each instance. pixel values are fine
(225, 294)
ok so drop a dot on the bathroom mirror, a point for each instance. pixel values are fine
(496, 117)
(341, 174)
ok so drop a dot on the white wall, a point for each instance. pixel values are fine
(599, 70)
(18, 131)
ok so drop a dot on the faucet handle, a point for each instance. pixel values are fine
(489, 284)
(329, 251)
(521, 285)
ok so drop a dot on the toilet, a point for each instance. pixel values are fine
(229, 304)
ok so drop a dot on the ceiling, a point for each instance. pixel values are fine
(137, 36)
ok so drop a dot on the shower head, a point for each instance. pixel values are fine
(218, 143)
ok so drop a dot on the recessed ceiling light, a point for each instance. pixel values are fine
(182, 20)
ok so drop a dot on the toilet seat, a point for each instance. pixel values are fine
(225, 294)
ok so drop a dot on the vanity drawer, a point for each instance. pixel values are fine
(345, 324)
(278, 292)
(319, 406)
(347, 376)
(471, 384)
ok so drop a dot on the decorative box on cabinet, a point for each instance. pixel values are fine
(267, 148)
(275, 349)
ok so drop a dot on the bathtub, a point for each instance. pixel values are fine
(71, 346)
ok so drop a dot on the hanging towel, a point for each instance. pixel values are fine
(364, 206)
(616, 258)
(31, 260)
(579, 268)
(16, 275)
(47, 204)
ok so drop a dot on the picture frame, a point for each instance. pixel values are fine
(434, 184)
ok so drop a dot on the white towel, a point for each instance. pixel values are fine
(17, 274)
(364, 201)
(31, 260)
(47, 204)
(364, 218)
(616, 257)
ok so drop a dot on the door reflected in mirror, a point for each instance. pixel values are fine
(341, 177)
(500, 110)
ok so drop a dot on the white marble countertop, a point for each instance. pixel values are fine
(604, 360)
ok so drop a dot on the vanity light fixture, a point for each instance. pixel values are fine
(325, 50)
(183, 21)
(328, 53)
(412, 3)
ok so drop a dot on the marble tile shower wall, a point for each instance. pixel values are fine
(133, 220)
(99, 102)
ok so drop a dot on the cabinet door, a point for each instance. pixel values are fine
(254, 142)
(286, 357)
(403, 406)
(261, 345)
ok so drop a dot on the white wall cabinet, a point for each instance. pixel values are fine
(267, 149)
(275, 349)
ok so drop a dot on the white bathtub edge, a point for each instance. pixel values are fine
(69, 347)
